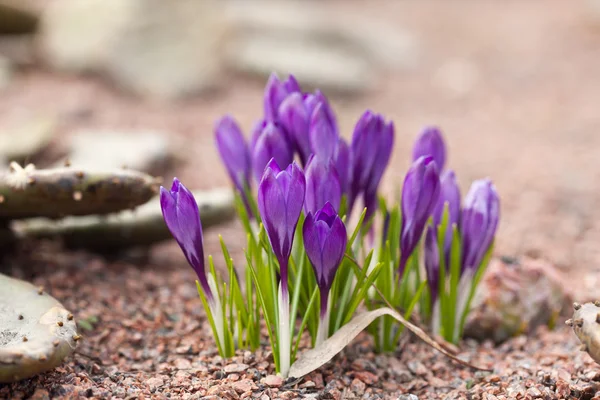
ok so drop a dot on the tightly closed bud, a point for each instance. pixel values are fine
(449, 194)
(420, 194)
(372, 143)
(322, 185)
(235, 154)
(431, 143)
(325, 240)
(280, 200)
(479, 222)
(180, 212)
(270, 143)
(275, 92)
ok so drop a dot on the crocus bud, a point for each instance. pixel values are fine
(479, 221)
(294, 116)
(270, 143)
(372, 143)
(325, 242)
(234, 152)
(431, 143)
(420, 194)
(449, 194)
(180, 212)
(323, 135)
(342, 164)
(275, 92)
(432, 262)
(322, 185)
(280, 200)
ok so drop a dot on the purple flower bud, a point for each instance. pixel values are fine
(255, 133)
(325, 240)
(323, 135)
(479, 221)
(180, 212)
(234, 152)
(420, 194)
(342, 163)
(280, 200)
(431, 143)
(271, 143)
(432, 263)
(322, 184)
(371, 147)
(294, 116)
(450, 193)
(275, 92)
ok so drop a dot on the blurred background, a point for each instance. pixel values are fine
(515, 87)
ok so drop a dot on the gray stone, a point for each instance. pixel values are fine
(36, 332)
(24, 137)
(103, 149)
(150, 47)
(315, 64)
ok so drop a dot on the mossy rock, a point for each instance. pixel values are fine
(36, 332)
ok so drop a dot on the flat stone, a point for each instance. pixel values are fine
(152, 48)
(273, 380)
(143, 151)
(235, 368)
(36, 332)
(315, 64)
(24, 136)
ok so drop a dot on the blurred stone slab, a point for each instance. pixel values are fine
(141, 227)
(153, 48)
(25, 137)
(313, 64)
(515, 297)
(378, 43)
(18, 17)
(147, 151)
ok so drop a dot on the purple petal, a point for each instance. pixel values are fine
(323, 137)
(431, 143)
(234, 151)
(270, 144)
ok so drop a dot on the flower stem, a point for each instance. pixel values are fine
(284, 331)
(214, 302)
(323, 330)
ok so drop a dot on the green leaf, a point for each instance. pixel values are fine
(266, 311)
(455, 270)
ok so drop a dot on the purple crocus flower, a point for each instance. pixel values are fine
(420, 194)
(270, 143)
(342, 163)
(432, 262)
(325, 240)
(479, 222)
(371, 147)
(323, 135)
(280, 200)
(449, 194)
(431, 143)
(294, 115)
(275, 92)
(235, 154)
(322, 184)
(180, 212)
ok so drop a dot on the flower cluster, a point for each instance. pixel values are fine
(302, 254)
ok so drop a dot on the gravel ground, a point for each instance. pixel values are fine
(524, 114)
(145, 336)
